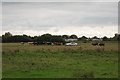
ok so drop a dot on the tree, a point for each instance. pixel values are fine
(116, 37)
(6, 37)
(105, 38)
(8, 34)
(83, 38)
(65, 36)
(45, 37)
(73, 36)
(16, 38)
(95, 37)
(57, 39)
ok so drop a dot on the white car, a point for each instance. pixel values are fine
(71, 44)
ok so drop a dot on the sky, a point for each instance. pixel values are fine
(59, 0)
(59, 18)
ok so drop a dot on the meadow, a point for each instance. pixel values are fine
(47, 61)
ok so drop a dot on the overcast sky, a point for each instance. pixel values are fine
(59, 0)
(58, 18)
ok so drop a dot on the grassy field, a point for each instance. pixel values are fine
(46, 61)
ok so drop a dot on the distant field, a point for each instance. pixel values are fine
(46, 61)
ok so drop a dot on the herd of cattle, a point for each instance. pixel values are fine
(43, 43)
(59, 43)
(98, 44)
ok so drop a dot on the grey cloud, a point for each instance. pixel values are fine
(58, 0)
(0, 17)
(44, 16)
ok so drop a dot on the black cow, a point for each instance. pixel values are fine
(49, 43)
(35, 43)
(95, 44)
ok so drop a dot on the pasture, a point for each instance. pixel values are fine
(47, 61)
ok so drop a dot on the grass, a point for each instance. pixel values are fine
(82, 61)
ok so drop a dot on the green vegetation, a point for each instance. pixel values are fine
(9, 38)
(46, 61)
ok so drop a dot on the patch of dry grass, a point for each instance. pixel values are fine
(17, 47)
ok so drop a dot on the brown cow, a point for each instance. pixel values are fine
(101, 44)
(58, 43)
(30, 43)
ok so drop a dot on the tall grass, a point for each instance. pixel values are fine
(82, 61)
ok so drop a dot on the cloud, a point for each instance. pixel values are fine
(58, 17)
(69, 30)
(61, 0)
(0, 18)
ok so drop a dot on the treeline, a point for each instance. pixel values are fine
(8, 37)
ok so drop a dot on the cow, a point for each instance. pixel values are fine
(30, 43)
(101, 44)
(95, 44)
(49, 43)
(42, 43)
(35, 43)
(22, 43)
(58, 43)
(39, 43)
